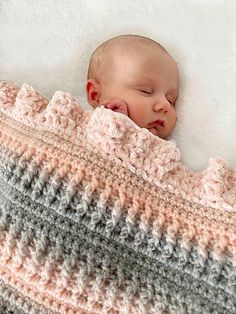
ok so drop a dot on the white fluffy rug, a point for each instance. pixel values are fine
(48, 44)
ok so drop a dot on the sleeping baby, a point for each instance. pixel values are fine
(136, 76)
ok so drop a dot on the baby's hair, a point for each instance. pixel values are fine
(101, 52)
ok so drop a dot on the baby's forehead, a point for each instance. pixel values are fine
(140, 60)
(148, 69)
(135, 59)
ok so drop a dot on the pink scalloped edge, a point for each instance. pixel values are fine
(118, 138)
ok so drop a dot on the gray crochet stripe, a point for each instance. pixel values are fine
(165, 252)
(64, 237)
(85, 223)
(142, 280)
(13, 301)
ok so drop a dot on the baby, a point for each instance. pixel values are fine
(136, 76)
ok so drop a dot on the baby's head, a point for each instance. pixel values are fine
(140, 72)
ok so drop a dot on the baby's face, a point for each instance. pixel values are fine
(148, 83)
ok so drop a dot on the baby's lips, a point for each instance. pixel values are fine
(157, 123)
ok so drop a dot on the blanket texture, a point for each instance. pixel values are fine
(98, 215)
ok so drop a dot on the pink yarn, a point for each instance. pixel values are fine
(120, 139)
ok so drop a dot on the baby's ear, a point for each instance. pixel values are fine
(93, 92)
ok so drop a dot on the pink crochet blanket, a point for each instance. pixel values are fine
(118, 138)
(99, 215)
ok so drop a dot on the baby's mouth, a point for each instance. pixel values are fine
(160, 123)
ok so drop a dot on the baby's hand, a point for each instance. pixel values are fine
(117, 105)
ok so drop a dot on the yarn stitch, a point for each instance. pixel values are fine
(98, 215)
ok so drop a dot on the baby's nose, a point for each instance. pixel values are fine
(162, 104)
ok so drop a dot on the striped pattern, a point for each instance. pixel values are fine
(87, 227)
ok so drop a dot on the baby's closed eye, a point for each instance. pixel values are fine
(147, 91)
(171, 101)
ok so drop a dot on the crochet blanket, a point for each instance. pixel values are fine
(98, 215)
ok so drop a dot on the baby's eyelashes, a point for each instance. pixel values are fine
(149, 91)
(146, 91)
(171, 102)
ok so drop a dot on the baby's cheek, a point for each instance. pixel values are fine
(133, 112)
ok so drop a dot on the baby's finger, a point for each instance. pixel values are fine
(118, 106)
